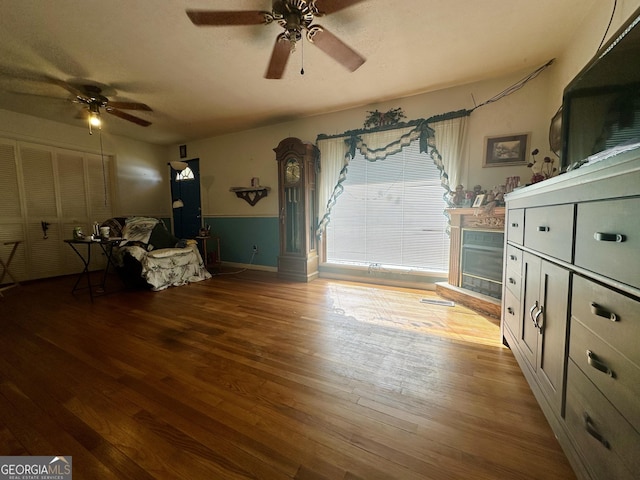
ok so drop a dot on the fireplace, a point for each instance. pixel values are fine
(479, 287)
(481, 262)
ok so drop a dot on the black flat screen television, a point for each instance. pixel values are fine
(601, 106)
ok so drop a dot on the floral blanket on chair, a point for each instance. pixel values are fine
(164, 263)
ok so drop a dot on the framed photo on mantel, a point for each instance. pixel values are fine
(506, 150)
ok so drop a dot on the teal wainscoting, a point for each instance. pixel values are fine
(238, 235)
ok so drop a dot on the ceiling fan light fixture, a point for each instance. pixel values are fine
(178, 165)
(94, 119)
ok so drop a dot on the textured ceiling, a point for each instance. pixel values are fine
(206, 81)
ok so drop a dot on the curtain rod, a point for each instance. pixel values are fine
(412, 123)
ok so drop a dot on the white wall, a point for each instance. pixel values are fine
(231, 160)
(141, 178)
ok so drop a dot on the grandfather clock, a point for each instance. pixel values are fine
(298, 163)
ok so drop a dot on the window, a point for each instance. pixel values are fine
(390, 214)
(186, 174)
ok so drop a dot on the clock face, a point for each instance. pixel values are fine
(292, 171)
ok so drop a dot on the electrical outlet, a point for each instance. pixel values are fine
(255, 249)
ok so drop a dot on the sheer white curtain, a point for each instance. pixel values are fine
(334, 157)
(335, 154)
(451, 139)
(446, 150)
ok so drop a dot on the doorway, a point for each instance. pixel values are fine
(185, 198)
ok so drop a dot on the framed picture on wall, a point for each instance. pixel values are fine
(506, 150)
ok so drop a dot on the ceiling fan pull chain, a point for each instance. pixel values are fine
(302, 58)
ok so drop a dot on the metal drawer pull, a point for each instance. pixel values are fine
(542, 228)
(609, 237)
(537, 322)
(514, 225)
(512, 281)
(601, 312)
(513, 257)
(591, 429)
(592, 360)
(510, 310)
(531, 310)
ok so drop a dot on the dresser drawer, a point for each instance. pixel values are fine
(549, 230)
(595, 306)
(613, 374)
(515, 225)
(513, 274)
(609, 444)
(511, 313)
(608, 239)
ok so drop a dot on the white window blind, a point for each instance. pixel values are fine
(391, 214)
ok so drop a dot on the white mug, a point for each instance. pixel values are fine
(104, 232)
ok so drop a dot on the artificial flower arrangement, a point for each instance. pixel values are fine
(542, 170)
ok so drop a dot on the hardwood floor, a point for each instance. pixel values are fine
(246, 376)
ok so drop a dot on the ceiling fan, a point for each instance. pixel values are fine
(92, 97)
(294, 16)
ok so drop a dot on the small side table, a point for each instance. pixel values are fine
(204, 239)
(5, 266)
(107, 248)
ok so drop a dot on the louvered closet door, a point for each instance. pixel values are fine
(44, 254)
(66, 189)
(11, 225)
(73, 204)
(85, 198)
(97, 170)
(99, 175)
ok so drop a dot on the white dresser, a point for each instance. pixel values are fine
(571, 309)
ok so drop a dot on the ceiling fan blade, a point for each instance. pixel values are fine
(279, 58)
(336, 48)
(130, 106)
(127, 116)
(329, 6)
(210, 17)
(69, 88)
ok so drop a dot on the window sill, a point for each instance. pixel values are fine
(383, 275)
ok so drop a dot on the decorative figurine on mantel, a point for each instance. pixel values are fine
(458, 196)
(478, 197)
